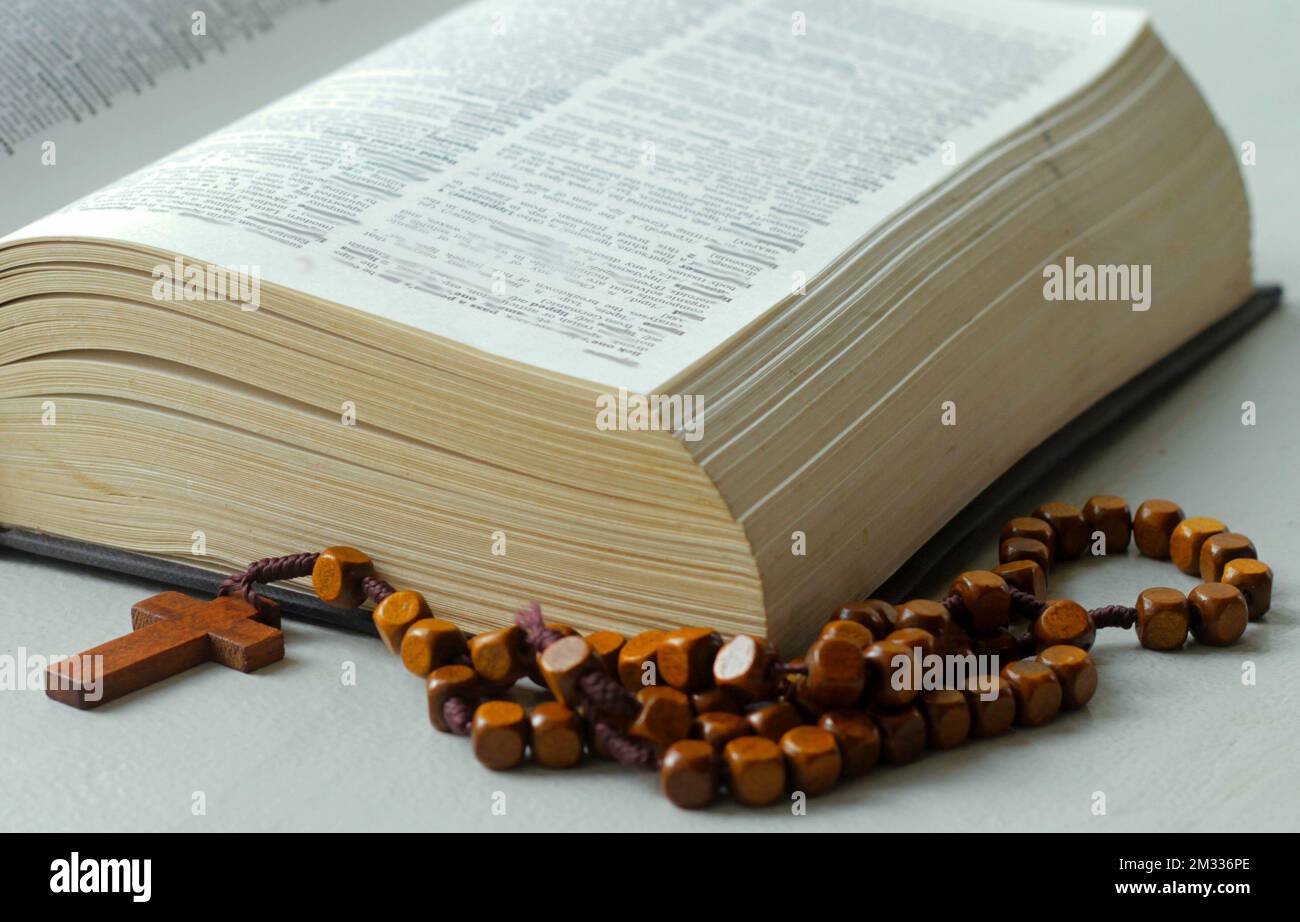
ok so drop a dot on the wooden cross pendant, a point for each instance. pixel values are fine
(170, 633)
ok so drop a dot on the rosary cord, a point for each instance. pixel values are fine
(1122, 616)
(267, 570)
(376, 589)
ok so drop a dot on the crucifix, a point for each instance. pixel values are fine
(170, 633)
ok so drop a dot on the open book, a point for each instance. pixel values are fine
(656, 312)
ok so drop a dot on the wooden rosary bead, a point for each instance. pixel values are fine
(771, 721)
(1000, 643)
(1153, 525)
(715, 699)
(1218, 550)
(1076, 672)
(532, 666)
(992, 709)
(1037, 690)
(1219, 613)
(396, 613)
(689, 774)
(810, 709)
(665, 716)
(563, 664)
(923, 614)
(607, 645)
(499, 736)
(1110, 516)
(445, 682)
(430, 643)
(1064, 622)
(875, 614)
(1069, 527)
(902, 733)
(837, 673)
(632, 659)
(718, 728)
(1186, 540)
(813, 759)
(557, 735)
(1025, 575)
(500, 657)
(889, 669)
(337, 574)
(986, 597)
(947, 718)
(1014, 549)
(1163, 618)
(744, 665)
(858, 739)
(686, 657)
(857, 634)
(1254, 579)
(1026, 526)
(756, 770)
(913, 637)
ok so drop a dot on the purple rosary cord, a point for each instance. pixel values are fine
(267, 570)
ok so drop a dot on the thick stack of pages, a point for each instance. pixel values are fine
(848, 244)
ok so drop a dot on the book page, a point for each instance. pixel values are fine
(609, 195)
(91, 90)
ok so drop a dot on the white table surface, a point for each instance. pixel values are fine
(1175, 741)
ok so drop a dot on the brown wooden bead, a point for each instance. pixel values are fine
(1076, 672)
(1218, 550)
(797, 694)
(877, 615)
(688, 774)
(902, 733)
(446, 682)
(563, 664)
(397, 612)
(1064, 621)
(1187, 538)
(499, 736)
(986, 597)
(1001, 643)
(837, 673)
(1163, 618)
(947, 718)
(772, 720)
(532, 666)
(1069, 527)
(756, 770)
(430, 643)
(715, 699)
(1025, 575)
(743, 664)
(1110, 516)
(1254, 579)
(500, 657)
(1219, 613)
(665, 716)
(889, 668)
(1013, 549)
(337, 574)
(858, 738)
(1026, 526)
(606, 645)
(992, 708)
(557, 735)
(913, 637)
(632, 659)
(1153, 525)
(686, 657)
(857, 634)
(1037, 691)
(923, 614)
(717, 728)
(813, 759)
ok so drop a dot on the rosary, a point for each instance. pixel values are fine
(708, 714)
